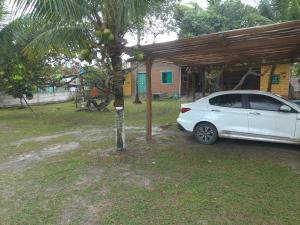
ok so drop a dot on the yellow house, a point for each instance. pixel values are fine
(127, 85)
(280, 79)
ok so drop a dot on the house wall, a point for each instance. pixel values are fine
(156, 82)
(127, 85)
(283, 70)
(39, 98)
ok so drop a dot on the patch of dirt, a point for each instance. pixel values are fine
(88, 177)
(43, 138)
(88, 135)
(24, 160)
(84, 211)
(137, 180)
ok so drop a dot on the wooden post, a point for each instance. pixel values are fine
(149, 101)
(194, 86)
(221, 83)
(270, 78)
(188, 84)
(203, 83)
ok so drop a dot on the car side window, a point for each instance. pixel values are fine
(229, 100)
(263, 102)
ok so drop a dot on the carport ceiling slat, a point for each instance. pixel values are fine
(275, 42)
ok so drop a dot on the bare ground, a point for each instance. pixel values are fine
(25, 160)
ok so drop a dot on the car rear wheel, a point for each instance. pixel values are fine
(206, 133)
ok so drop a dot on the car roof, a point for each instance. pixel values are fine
(242, 92)
(248, 92)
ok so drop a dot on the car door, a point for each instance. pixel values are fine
(265, 118)
(228, 113)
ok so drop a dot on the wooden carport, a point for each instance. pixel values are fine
(265, 45)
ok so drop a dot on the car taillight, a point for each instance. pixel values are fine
(183, 110)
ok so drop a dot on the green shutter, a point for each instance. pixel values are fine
(166, 77)
(169, 78)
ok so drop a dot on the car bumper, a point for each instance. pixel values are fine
(180, 127)
(185, 125)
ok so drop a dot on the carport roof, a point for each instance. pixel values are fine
(270, 44)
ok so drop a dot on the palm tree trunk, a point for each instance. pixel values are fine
(118, 81)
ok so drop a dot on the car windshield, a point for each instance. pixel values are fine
(289, 100)
(294, 103)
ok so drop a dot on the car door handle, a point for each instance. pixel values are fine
(215, 110)
(254, 113)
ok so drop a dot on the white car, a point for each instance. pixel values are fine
(242, 114)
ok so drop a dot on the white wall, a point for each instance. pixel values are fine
(39, 98)
(295, 81)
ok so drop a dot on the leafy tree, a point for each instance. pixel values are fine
(20, 74)
(160, 20)
(220, 16)
(95, 26)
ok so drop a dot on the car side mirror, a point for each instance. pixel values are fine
(285, 108)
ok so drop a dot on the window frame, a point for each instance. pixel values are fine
(283, 103)
(243, 101)
(161, 76)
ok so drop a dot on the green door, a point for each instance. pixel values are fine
(142, 82)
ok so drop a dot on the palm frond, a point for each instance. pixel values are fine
(64, 39)
(47, 9)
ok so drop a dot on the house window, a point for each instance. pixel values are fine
(185, 77)
(166, 77)
(275, 79)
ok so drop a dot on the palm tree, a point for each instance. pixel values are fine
(97, 26)
(280, 10)
(3, 12)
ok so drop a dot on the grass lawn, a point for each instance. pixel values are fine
(61, 168)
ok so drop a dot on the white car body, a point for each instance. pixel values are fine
(245, 122)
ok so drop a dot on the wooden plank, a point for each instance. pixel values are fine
(292, 41)
(239, 33)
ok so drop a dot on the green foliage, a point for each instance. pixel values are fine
(138, 55)
(280, 10)
(296, 69)
(160, 20)
(96, 76)
(220, 16)
(76, 25)
(20, 73)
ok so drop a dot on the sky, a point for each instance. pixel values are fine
(203, 3)
(172, 35)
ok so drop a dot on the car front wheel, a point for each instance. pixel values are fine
(206, 133)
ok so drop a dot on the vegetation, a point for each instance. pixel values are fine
(174, 180)
(97, 28)
(160, 20)
(219, 16)
(280, 10)
(21, 74)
